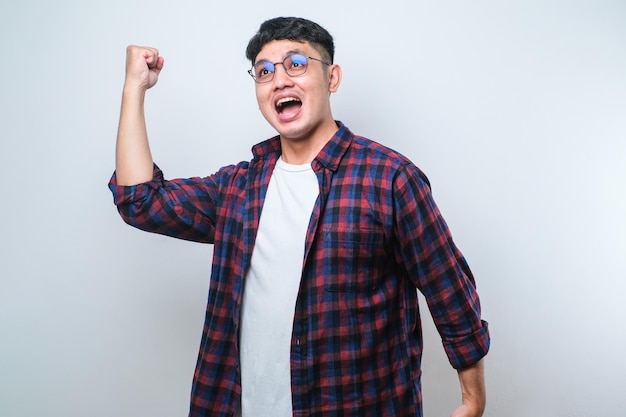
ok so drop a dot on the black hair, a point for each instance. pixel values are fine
(293, 29)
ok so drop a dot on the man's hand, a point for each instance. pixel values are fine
(472, 381)
(466, 411)
(143, 66)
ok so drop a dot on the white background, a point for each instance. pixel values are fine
(515, 110)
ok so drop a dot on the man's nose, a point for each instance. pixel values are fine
(280, 76)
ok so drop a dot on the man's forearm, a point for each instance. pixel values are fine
(133, 159)
(474, 398)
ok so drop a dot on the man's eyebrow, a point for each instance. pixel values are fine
(293, 51)
(285, 55)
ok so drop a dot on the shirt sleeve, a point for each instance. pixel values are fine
(439, 270)
(181, 208)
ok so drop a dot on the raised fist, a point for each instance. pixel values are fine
(143, 66)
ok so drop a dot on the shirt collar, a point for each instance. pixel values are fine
(330, 156)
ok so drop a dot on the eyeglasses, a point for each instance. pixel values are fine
(295, 65)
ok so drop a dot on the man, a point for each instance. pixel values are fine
(320, 243)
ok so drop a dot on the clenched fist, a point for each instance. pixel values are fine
(143, 65)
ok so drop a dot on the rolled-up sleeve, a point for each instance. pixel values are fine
(128, 194)
(181, 208)
(439, 270)
(465, 351)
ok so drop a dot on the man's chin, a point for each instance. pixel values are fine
(290, 130)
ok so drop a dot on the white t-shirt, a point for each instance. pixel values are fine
(271, 288)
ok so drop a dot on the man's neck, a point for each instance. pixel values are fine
(304, 150)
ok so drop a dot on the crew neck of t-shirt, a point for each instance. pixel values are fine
(285, 166)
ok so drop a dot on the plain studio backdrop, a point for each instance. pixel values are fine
(515, 110)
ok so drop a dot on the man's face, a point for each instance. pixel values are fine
(297, 107)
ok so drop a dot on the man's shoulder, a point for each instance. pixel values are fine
(376, 156)
(374, 149)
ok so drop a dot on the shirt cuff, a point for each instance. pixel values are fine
(123, 194)
(466, 351)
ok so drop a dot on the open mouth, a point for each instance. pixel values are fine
(288, 105)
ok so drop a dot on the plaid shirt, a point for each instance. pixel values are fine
(375, 235)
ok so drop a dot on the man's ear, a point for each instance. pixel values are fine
(334, 78)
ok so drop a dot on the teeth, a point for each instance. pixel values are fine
(286, 100)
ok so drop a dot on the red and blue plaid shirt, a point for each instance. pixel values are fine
(375, 235)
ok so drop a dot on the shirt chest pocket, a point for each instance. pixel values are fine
(354, 258)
